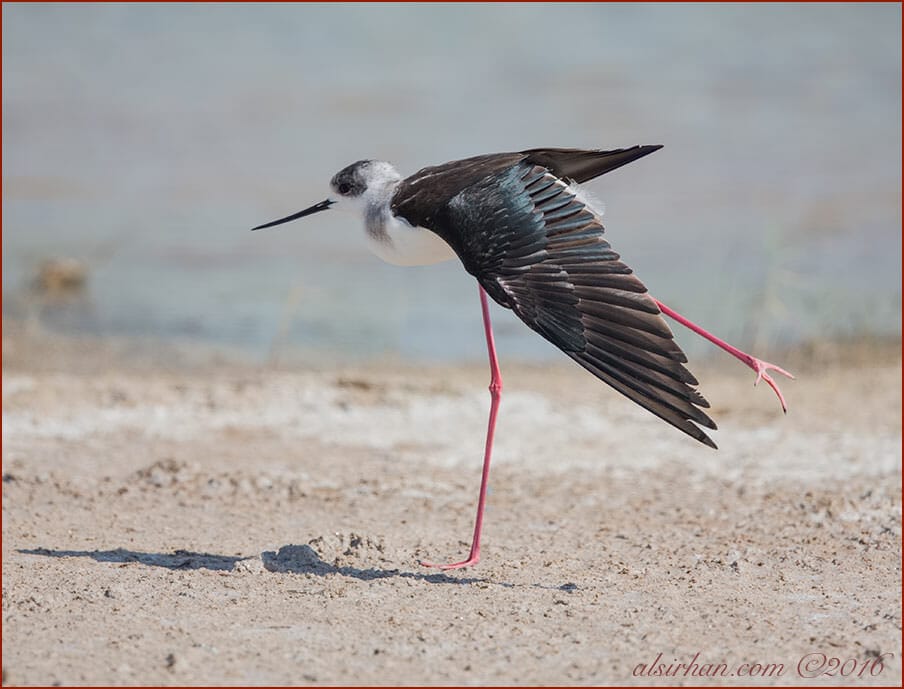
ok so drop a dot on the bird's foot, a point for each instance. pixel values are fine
(761, 368)
(472, 560)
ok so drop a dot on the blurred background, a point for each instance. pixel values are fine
(142, 141)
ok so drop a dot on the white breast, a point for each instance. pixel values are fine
(405, 245)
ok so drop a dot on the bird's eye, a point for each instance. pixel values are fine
(344, 188)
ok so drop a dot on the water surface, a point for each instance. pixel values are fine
(146, 140)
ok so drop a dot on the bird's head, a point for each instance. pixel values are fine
(357, 187)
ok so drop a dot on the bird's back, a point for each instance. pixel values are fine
(420, 196)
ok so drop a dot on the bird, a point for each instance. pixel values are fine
(533, 237)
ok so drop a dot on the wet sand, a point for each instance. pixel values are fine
(170, 519)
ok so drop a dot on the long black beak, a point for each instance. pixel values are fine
(316, 208)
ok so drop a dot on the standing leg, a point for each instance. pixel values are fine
(495, 395)
(760, 367)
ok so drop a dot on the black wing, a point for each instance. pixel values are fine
(538, 249)
(421, 195)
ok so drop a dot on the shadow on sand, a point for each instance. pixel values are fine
(289, 559)
(303, 559)
(178, 559)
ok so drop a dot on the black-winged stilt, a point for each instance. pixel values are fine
(523, 227)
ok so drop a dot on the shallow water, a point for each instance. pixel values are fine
(146, 140)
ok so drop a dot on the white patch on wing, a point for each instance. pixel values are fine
(593, 204)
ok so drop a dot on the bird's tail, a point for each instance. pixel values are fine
(580, 165)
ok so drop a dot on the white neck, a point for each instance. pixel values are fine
(391, 237)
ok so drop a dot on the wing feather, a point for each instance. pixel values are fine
(538, 249)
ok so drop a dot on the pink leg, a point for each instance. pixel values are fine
(761, 367)
(495, 394)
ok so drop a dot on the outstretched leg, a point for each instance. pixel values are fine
(760, 367)
(495, 395)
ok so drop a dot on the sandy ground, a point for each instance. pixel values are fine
(167, 522)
